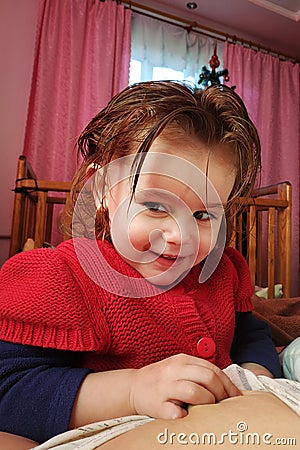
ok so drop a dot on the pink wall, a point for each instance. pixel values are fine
(17, 37)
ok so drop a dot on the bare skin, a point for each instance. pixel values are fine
(13, 442)
(159, 390)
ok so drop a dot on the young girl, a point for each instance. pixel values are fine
(141, 310)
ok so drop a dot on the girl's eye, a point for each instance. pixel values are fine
(155, 207)
(202, 215)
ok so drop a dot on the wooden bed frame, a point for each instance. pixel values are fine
(262, 232)
(33, 208)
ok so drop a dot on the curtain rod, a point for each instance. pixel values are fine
(202, 29)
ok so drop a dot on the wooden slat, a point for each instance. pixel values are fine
(271, 252)
(28, 220)
(43, 185)
(265, 203)
(40, 219)
(56, 200)
(259, 247)
(285, 239)
(15, 240)
(68, 220)
(240, 233)
(49, 220)
(266, 190)
(252, 243)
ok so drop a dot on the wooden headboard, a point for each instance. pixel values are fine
(33, 209)
(262, 233)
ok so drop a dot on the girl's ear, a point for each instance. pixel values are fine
(95, 179)
(91, 169)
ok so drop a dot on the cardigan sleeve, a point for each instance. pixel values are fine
(242, 285)
(42, 303)
(38, 388)
(252, 339)
(252, 343)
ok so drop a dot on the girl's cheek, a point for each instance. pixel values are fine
(137, 232)
(204, 244)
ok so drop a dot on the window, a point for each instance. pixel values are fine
(163, 51)
(158, 73)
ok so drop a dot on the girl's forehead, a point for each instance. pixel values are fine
(168, 190)
(188, 165)
(177, 166)
(160, 183)
(192, 149)
(194, 190)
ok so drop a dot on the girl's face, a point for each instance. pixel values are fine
(173, 220)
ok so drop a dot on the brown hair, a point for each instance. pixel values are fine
(137, 115)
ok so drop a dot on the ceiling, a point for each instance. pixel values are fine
(273, 24)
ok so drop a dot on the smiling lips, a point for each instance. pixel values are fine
(165, 259)
(168, 256)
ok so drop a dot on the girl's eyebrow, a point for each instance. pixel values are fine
(162, 195)
(155, 192)
(216, 205)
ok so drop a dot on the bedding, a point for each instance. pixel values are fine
(282, 315)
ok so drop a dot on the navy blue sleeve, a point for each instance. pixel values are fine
(253, 343)
(38, 388)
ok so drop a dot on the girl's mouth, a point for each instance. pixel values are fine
(169, 257)
(166, 260)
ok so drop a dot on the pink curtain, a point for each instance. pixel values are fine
(270, 89)
(82, 59)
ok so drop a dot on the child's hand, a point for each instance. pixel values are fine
(162, 389)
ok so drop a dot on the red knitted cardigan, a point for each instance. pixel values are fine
(48, 299)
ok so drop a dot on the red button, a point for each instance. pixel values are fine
(206, 347)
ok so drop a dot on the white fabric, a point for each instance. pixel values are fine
(159, 44)
(291, 360)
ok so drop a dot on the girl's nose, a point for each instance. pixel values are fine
(179, 232)
(172, 233)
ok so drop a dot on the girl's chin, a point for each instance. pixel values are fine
(166, 280)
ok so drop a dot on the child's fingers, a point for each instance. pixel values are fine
(211, 378)
(204, 373)
(161, 389)
(190, 392)
(172, 409)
